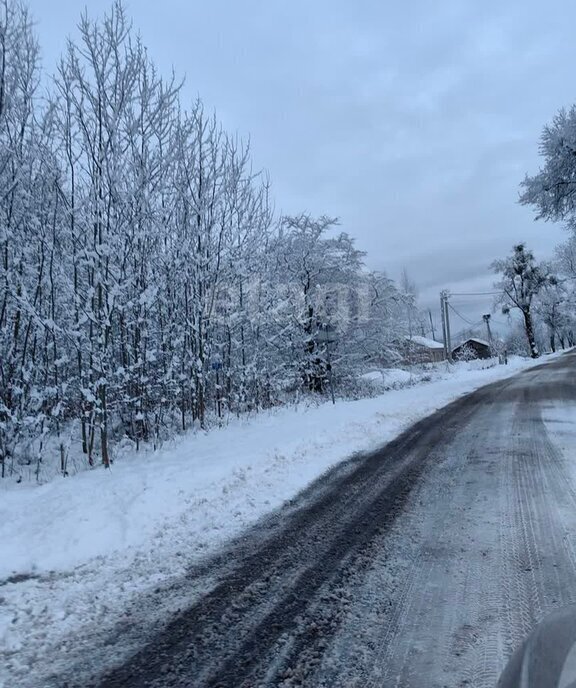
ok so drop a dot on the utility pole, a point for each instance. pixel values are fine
(447, 317)
(443, 316)
(486, 319)
(431, 324)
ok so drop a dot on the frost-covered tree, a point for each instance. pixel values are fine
(379, 335)
(551, 309)
(116, 118)
(565, 255)
(521, 280)
(146, 285)
(123, 215)
(314, 281)
(27, 224)
(552, 191)
(565, 265)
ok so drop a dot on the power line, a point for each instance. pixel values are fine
(472, 324)
(468, 329)
(460, 315)
(476, 293)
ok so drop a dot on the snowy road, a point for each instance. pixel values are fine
(422, 564)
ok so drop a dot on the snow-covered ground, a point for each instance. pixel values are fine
(388, 378)
(76, 552)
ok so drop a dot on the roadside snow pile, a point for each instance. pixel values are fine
(397, 378)
(388, 378)
(75, 551)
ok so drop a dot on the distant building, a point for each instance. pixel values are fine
(472, 348)
(422, 350)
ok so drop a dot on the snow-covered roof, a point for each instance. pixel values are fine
(428, 343)
(473, 339)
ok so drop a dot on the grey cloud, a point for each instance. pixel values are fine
(414, 122)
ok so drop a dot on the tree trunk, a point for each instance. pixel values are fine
(529, 327)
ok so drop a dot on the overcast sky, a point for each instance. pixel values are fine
(413, 122)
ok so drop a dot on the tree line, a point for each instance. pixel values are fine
(545, 292)
(147, 285)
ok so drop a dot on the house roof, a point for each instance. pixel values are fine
(483, 342)
(425, 342)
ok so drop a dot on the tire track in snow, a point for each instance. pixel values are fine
(421, 564)
(432, 632)
(527, 569)
(311, 549)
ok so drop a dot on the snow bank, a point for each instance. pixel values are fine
(388, 378)
(206, 487)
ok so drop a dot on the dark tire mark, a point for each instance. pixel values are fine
(283, 590)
